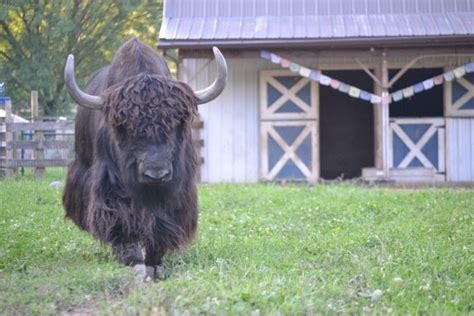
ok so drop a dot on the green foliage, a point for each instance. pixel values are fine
(262, 249)
(37, 36)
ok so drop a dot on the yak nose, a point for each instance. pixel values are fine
(157, 175)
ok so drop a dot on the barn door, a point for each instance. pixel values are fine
(418, 143)
(288, 127)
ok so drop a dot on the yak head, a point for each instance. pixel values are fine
(150, 118)
(147, 114)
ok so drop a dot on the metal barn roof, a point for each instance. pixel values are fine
(193, 23)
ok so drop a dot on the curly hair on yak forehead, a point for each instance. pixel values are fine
(149, 106)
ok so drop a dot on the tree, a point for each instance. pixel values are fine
(37, 35)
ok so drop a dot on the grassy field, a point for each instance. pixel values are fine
(262, 249)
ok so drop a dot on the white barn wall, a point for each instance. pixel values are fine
(460, 149)
(231, 122)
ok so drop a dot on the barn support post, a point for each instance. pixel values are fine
(378, 156)
(38, 153)
(385, 116)
(9, 154)
(381, 119)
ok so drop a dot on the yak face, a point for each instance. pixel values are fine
(154, 163)
(150, 118)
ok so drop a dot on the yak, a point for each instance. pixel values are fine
(132, 183)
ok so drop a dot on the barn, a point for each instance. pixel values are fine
(330, 89)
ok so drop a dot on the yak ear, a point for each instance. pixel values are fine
(121, 130)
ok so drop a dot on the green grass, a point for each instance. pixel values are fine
(262, 249)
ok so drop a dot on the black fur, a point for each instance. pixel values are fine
(146, 111)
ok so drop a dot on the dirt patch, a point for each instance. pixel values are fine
(80, 311)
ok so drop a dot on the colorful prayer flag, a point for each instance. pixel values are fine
(386, 98)
(314, 75)
(375, 99)
(459, 72)
(438, 80)
(397, 96)
(305, 72)
(285, 63)
(343, 87)
(408, 92)
(428, 84)
(334, 83)
(448, 76)
(294, 67)
(324, 80)
(354, 92)
(469, 67)
(275, 58)
(265, 55)
(364, 95)
(418, 87)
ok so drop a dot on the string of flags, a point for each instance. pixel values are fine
(355, 92)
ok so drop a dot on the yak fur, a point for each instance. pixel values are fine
(143, 106)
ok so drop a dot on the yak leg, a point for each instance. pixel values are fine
(76, 194)
(154, 262)
(130, 255)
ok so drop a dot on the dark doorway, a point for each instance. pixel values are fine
(425, 104)
(346, 128)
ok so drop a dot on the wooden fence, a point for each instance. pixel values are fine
(39, 136)
(34, 138)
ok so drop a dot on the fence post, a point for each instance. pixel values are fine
(9, 151)
(38, 153)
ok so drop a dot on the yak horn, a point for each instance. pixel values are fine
(86, 100)
(210, 93)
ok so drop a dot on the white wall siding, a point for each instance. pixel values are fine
(231, 122)
(460, 149)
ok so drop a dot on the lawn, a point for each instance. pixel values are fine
(262, 249)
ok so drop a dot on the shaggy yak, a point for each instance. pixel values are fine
(132, 182)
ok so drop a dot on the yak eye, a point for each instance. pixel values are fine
(121, 130)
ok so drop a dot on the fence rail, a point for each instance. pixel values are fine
(40, 126)
(36, 163)
(38, 144)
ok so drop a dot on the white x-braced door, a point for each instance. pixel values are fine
(288, 128)
(418, 143)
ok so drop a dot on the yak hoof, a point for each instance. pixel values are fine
(155, 272)
(140, 271)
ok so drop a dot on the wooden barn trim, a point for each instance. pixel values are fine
(393, 54)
